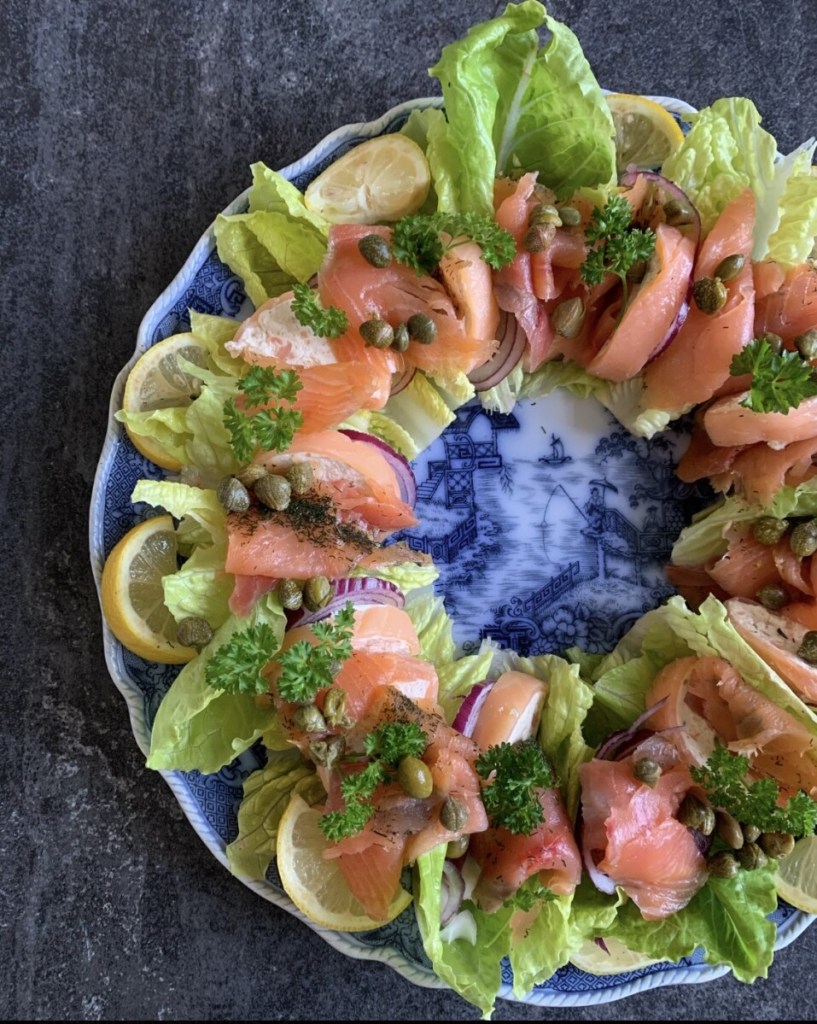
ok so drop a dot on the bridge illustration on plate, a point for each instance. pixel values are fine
(547, 538)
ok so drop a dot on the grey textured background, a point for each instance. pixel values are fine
(127, 124)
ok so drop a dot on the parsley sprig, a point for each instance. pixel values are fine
(780, 380)
(511, 796)
(616, 245)
(270, 428)
(417, 239)
(753, 803)
(529, 894)
(329, 322)
(237, 665)
(386, 745)
(307, 668)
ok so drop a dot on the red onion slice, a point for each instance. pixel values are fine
(357, 590)
(619, 744)
(453, 889)
(674, 328)
(466, 717)
(512, 342)
(400, 465)
(671, 190)
(400, 381)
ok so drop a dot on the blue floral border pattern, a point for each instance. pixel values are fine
(459, 497)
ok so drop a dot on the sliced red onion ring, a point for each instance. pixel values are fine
(357, 590)
(400, 465)
(671, 189)
(453, 888)
(701, 841)
(603, 882)
(400, 381)
(614, 747)
(466, 717)
(674, 328)
(512, 342)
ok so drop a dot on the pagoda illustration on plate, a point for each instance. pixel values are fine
(550, 525)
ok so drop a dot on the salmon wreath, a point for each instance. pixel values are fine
(644, 796)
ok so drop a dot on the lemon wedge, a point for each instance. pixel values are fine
(618, 960)
(132, 595)
(315, 885)
(383, 179)
(157, 382)
(646, 133)
(796, 877)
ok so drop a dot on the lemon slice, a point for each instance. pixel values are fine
(316, 886)
(618, 960)
(132, 596)
(796, 877)
(157, 382)
(383, 179)
(646, 133)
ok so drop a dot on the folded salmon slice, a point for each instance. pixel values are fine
(729, 422)
(696, 364)
(791, 308)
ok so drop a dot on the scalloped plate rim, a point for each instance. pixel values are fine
(691, 974)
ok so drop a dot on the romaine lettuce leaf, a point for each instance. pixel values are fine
(429, 129)
(168, 427)
(201, 588)
(420, 411)
(512, 105)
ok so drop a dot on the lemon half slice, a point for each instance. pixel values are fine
(132, 595)
(315, 885)
(157, 382)
(646, 133)
(383, 179)
(617, 960)
(796, 877)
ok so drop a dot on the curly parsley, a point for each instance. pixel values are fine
(780, 380)
(307, 668)
(417, 239)
(329, 322)
(237, 665)
(269, 428)
(515, 774)
(616, 245)
(395, 740)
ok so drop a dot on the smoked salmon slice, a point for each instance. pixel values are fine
(696, 363)
(729, 422)
(791, 308)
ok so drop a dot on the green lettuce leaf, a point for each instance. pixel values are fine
(201, 588)
(200, 728)
(168, 427)
(213, 332)
(420, 411)
(503, 396)
(512, 105)
(184, 501)
(267, 793)
(278, 243)
(408, 576)
(429, 129)
(728, 918)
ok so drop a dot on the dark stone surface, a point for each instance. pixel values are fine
(127, 126)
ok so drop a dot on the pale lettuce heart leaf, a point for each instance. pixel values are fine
(429, 129)
(420, 411)
(513, 105)
(198, 727)
(200, 588)
(183, 500)
(167, 427)
(213, 332)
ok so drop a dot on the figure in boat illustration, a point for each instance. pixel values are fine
(557, 451)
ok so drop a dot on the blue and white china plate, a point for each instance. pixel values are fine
(550, 526)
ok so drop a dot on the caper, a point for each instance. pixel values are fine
(301, 477)
(637, 272)
(806, 344)
(730, 266)
(415, 777)
(751, 857)
(750, 833)
(421, 328)
(728, 828)
(274, 491)
(569, 215)
(545, 213)
(803, 538)
(696, 813)
(647, 771)
(402, 338)
(709, 294)
(453, 814)
(776, 844)
(233, 495)
(808, 647)
(457, 848)
(318, 592)
(194, 631)
(768, 530)
(678, 213)
(773, 596)
(309, 719)
(375, 250)
(538, 237)
(567, 318)
(722, 865)
(377, 333)
(774, 341)
(250, 474)
(290, 594)
(327, 752)
(334, 708)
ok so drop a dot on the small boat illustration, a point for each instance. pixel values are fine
(557, 454)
